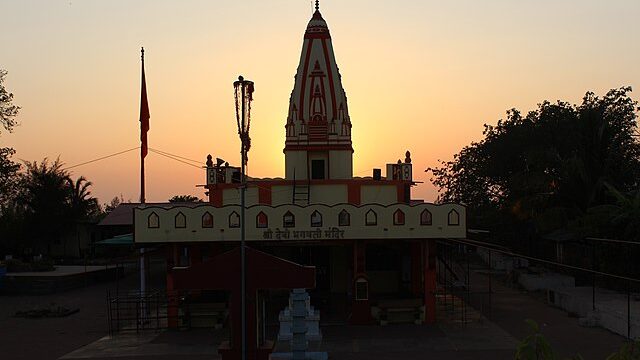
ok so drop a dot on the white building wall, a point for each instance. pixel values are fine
(340, 164)
(295, 160)
(329, 194)
(379, 194)
(281, 195)
(232, 196)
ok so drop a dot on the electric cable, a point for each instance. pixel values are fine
(176, 156)
(102, 158)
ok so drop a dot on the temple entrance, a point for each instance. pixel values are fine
(263, 272)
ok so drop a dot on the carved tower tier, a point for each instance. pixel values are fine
(318, 143)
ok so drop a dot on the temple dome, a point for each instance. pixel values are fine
(317, 24)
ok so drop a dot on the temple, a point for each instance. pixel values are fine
(366, 240)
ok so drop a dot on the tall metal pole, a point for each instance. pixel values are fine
(144, 112)
(242, 231)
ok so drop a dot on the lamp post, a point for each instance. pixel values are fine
(244, 97)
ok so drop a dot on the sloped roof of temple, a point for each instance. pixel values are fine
(318, 111)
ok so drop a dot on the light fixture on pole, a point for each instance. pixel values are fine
(244, 97)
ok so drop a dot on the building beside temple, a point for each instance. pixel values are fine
(368, 240)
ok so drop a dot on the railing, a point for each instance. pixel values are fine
(475, 258)
(137, 312)
(157, 310)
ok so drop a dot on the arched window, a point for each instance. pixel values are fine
(262, 221)
(234, 220)
(153, 221)
(371, 218)
(316, 219)
(288, 220)
(398, 217)
(207, 220)
(454, 218)
(344, 218)
(180, 221)
(426, 218)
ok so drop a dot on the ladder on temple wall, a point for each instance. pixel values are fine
(301, 191)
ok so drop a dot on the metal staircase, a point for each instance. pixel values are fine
(301, 191)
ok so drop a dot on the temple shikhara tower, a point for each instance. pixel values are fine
(359, 245)
(318, 141)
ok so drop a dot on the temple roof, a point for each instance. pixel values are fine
(318, 110)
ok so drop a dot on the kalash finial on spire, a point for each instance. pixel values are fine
(317, 5)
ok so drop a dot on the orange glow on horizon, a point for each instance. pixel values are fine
(420, 76)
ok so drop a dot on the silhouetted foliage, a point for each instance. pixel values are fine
(8, 177)
(8, 168)
(184, 198)
(549, 167)
(45, 198)
(47, 205)
(113, 204)
(8, 111)
(82, 205)
(536, 347)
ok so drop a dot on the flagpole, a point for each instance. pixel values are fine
(144, 127)
(142, 130)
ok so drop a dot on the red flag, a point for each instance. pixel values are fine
(144, 114)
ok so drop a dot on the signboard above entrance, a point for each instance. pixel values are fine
(206, 223)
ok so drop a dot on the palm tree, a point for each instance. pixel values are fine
(82, 206)
(44, 198)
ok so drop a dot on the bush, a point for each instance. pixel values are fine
(16, 265)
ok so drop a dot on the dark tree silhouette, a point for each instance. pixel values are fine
(53, 203)
(184, 198)
(549, 166)
(82, 205)
(8, 111)
(45, 197)
(8, 168)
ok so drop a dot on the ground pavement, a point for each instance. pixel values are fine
(84, 335)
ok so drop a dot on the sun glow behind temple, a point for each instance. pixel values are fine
(425, 76)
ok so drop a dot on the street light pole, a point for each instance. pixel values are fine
(244, 95)
(243, 185)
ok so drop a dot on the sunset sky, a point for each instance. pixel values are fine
(421, 75)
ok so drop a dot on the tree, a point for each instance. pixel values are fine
(45, 197)
(184, 199)
(8, 177)
(10, 212)
(113, 204)
(82, 205)
(53, 203)
(548, 167)
(8, 111)
(8, 168)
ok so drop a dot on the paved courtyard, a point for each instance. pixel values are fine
(84, 334)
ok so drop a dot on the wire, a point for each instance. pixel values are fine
(613, 241)
(102, 158)
(176, 156)
(176, 159)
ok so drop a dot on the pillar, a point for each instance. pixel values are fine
(172, 295)
(360, 307)
(416, 269)
(429, 256)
